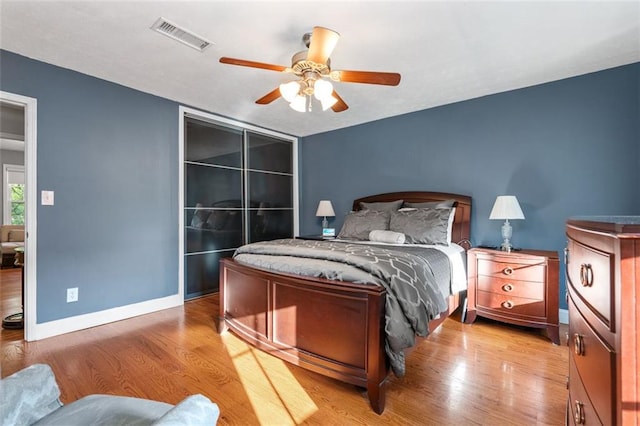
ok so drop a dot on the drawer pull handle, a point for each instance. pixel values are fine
(578, 344)
(586, 275)
(579, 414)
(507, 287)
(507, 304)
(508, 270)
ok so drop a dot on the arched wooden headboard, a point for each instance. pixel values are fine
(461, 231)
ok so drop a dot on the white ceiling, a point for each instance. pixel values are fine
(446, 51)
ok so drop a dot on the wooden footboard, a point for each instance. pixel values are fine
(330, 327)
(334, 328)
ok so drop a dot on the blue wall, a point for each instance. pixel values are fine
(111, 156)
(565, 148)
(110, 153)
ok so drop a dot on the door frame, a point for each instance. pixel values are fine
(30, 106)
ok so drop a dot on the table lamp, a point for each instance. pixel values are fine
(506, 207)
(326, 209)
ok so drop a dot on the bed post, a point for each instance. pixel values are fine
(222, 324)
(378, 364)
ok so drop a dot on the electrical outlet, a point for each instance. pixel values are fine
(72, 294)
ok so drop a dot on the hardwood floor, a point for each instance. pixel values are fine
(10, 299)
(484, 374)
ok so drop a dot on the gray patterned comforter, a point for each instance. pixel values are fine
(417, 279)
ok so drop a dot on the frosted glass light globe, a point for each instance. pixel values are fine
(299, 103)
(322, 89)
(290, 90)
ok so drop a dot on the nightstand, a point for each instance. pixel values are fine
(519, 287)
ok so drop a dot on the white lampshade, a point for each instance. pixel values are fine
(299, 103)
(290, 90)
(506, 207)
(322, 89)
(325, 208)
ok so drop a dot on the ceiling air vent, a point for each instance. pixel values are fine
(183, 36)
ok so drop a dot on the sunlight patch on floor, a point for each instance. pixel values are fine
(457, 389)
(274, 393)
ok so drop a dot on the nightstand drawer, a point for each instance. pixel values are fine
(500, 267)
(508, 305)
(512, 288)
(589, 273)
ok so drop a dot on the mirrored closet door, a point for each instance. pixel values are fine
(238, 188)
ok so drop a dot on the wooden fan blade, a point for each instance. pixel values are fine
(323, 41)
(369, 77)
(269, 97)
(340, 105)
(252, 64)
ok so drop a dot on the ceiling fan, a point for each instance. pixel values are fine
(313, 69)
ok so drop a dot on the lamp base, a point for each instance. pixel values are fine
(506, 236)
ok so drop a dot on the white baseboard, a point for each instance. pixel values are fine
(81, 322)
(563, 316)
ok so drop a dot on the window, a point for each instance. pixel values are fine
(13, 194)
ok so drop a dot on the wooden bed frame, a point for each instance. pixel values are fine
(334, 328)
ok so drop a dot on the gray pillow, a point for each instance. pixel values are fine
(390, 206)
(422, 226)
(431, 204)
(357, 225)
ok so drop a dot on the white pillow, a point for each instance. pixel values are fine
(452, 216)
(383, 236)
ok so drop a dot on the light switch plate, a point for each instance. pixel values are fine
(47, 198)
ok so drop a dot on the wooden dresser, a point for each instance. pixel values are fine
(603, 290)
(520, 287)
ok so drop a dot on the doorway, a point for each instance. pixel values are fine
(21, 130)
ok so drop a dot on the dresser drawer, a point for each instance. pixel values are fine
(512, 288)
(581, 410)
(501, 267)
(508, 305)
(595, 363)
(590, 274)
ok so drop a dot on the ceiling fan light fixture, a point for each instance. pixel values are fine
(290, 90)
(299, 103)
(328, 102)
(313, 69)
(322, 89)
